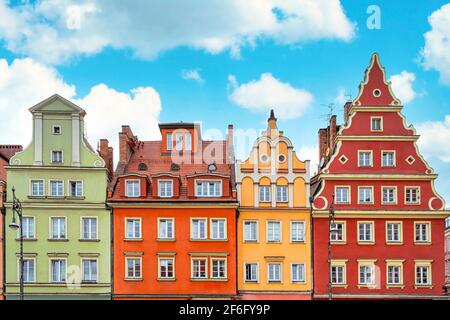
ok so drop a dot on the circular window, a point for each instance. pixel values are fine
(377, 93)
(142, 167)
(212, 167)
(281, 158)
(264, 158)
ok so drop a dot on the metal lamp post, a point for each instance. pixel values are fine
(17, 209)
(330, 222)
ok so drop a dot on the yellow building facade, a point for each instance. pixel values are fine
(274, 231)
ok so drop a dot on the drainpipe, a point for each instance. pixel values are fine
(237, 251)
(3, 213)
(311, 200)
(111, 223)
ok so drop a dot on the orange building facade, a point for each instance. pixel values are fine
(174, 216)
(6, 152)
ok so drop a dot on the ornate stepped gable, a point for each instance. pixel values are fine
(377, 101)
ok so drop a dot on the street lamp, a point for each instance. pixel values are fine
(17, 209)
(330, 222)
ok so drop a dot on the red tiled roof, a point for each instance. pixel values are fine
(8, 150)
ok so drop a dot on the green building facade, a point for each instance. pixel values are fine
(62, 183)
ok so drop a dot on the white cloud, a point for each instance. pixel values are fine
(310, 153)
(402, 86)
(54, 31)
(24, 82)
(192, 75)
(341, 98)
(434, 139)
(270, 93)
(436, 53)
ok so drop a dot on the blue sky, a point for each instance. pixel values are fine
(319, 63)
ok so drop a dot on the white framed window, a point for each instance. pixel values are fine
(133, 188)
(199, 268)
(274, 272)
(58, 228)
(133, 228)
(297, 231)
(28, 228)
(338, 274)
(166, 228)
(76, 188)
(188, 141)
(365, 195)
(273, 231)
(282, 193)
(297, 272)
(393, 232)
(169, 141)
(365, 231)
(388, 158)
(394, 273)
(37, 188)
(166, 268)
(389, 195)
(337, 232)
(89, 270)
(251, 271)
(56, 188)
(364, 158)
(178, 141)
(208, 188)
(412, 195)
(376, 124)
(264, 193)
(89, 228)
(165, 188)
(342, 194)
(218, 268)
(133, 267)
(218, 229)
(422, 232)
(366, 274)
(423, 274)
(250, 230)
(57, 156)
(198, 228)
(58, 270)
(56, 130)
(29, 270)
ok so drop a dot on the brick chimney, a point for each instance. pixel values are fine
(347, 109)
(106, 152)
(127, 144)
(230, 145)
(327, 138)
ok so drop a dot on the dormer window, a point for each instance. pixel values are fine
(178, 141)
(165, 188)
(169, 141)
(57, 156)
(208, 188)
(188, 141)
(376, 124)
(56, 129)
(133, 188)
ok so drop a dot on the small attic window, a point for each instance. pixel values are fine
(376, 93)
(142, 167)
(56, 129)
(175, 167)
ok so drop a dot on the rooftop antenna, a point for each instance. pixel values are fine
(328, 115)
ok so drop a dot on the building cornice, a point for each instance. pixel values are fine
(173, 205)
(392, 214)
(376, 176)
(376, 138)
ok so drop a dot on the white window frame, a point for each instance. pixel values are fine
(371, 265)
(53, 130)
(303, 235)
(192, 267)
(337, 199)
(205, 223)
(167, 237)
(344, 232)
(169, 141)
(82, 220)
(303, 274)
(159, 267)
(126, 188)
(279, 222)
(371, 124)
(370, 158)
(418, 193)
(51, 269)
(372, 195)
(140, 228)
(400, 232)
(52, 152)
(383, 188)
(372, 233)
(225, 268)
(160, 189)
(51, 228)
(339, 264)
(394, 158)
(256, 222)
(280, 194)
(133, 277)
(25, 258)
(423, 264)
(50, 191)
(188, 138)
(256, 272)
(42, 181)
(211, 229)
(396, 264)
(82, 269)
(208, 193)
(263, 199)
(269, 280)
(25, 236)
(69, 188)
(429, 234)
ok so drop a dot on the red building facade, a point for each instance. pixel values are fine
(387, 239)
(174, 211)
